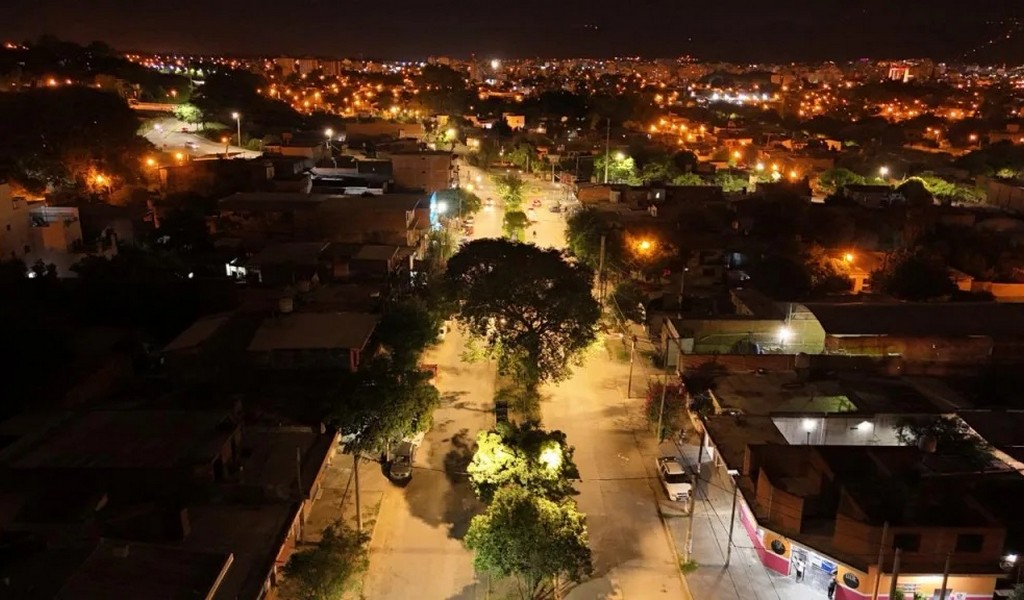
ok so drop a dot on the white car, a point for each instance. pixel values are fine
(677, 482)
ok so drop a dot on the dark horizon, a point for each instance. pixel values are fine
(788, 31)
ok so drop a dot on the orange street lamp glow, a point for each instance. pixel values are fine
(848, 257)
(737, 155)
(150, 162)
(644, 245)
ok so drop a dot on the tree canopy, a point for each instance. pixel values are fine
(329, 569)
(383, 403)
(533, 309)
(914, 277)
(512, 190)
(526, 456)
(583, 235)
(952, 437)
(543, 544)
(67, 136)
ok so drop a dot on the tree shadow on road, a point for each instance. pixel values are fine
(448, 499)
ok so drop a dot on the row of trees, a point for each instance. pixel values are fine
(532, 530)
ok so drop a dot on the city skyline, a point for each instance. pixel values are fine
(782, 32)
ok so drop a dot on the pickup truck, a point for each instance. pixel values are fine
(677, 482)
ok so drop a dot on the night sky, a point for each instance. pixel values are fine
(741, 30)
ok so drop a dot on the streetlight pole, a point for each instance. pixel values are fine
(238, 125)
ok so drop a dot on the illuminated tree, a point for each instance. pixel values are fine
(514, 225)
(189, 113)
(621, 169)
(542, 544)
(526, 456)
(512, 190)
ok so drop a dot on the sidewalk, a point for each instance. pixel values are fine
(745, 578)
(337, 497)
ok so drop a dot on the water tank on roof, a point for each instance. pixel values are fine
(286, 304)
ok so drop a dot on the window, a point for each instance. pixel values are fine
(908, 542)
(969, 542)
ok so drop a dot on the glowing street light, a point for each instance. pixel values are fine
(442, 207)
(737, 155)
(178, 156)
(883, 172)
(551, 456)
(620, 156)
(759, 167)
(469, 187)
(495, 64)
(150, 162)
(238, 123)
(848, 257)
(785, 334)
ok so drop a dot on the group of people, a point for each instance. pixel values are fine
(798, 568)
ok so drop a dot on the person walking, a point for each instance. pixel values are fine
(832, 588)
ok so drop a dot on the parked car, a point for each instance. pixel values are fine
(556, 208)
(501, 410)
(401, 464)
(677, 482)
(191, 145)
(536, 203)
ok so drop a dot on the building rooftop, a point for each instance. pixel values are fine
(1004, 430)
(197, 333)
(123, 439)
(921, 319)
(118, 569)
(252, 534)
(785, 392)
(376, 252)
(295, 253)
(315, 331)
(380, 202)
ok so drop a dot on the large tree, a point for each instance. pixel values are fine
(407, 329)
(543, 544)
(525, 455)
(533, 309)
(914, 277)
(512, 190)
(382, 404)
(67, 136)
(584, 230)
(331, 568)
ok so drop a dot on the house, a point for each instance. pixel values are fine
(14, 225)
(284, 263)
(216, 176)
(950, 333)
(313, 340)
(427, 171)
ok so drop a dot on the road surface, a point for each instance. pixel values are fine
(417, 550)
(166, 134)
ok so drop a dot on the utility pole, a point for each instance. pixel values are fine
(732, 521)
(607, 149)
(632, 353)
(682, 285)
(881, 557)
(600, 271)
(895, 572)
(688, 545)
(661, 412)
(359, 505)
(945, 577)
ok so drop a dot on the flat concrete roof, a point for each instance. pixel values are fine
(297, 253)
(118, 569)
(197, 333)
(252, 534)
(922, 319)
(315, 331)
(128, 439)
(775, 393)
